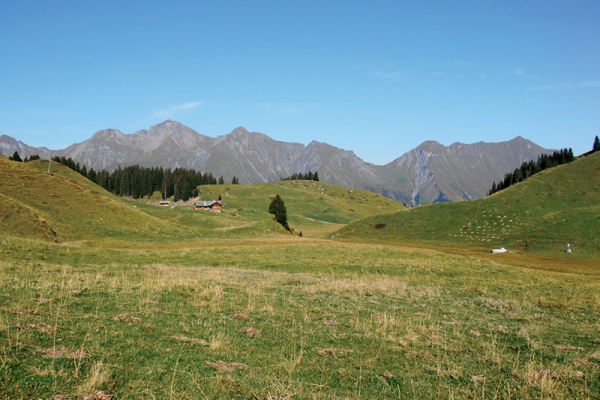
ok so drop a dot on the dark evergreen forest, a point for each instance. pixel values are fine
(135, 181)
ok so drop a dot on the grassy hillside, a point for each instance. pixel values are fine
(542, 214)
(304, 200)
(65, 206)
(172, 303)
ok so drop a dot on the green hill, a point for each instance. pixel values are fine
(555, 207)
(65, 206)
(304, 200)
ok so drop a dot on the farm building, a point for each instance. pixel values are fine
(214, 205)
(164, 203)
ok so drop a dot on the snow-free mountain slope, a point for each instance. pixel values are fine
(429, 173)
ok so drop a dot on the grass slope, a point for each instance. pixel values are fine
(65, 206)
(304, 201)
(542, 214)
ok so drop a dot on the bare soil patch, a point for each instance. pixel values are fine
(333, 352)
(250, 331)
(226, 366)
(127, 318)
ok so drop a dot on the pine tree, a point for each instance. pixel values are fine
(596, 145)
(15, 157)
(316, 176)
(92, 175)
(277, 208)
(221, 180)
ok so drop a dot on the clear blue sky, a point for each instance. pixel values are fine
(377, 78)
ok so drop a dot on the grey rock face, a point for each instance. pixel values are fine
(433, 172)
(429, 173)
(8, 146)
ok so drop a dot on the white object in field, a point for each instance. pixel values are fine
(500, 250)
(568, 247)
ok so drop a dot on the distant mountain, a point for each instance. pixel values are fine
(8, 146)
(429, 173)
(436, 173)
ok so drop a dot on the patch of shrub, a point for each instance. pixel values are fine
(379, 226)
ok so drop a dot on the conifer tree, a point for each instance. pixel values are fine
(15, 157)
(92, 175)
(596, 145)
(277, 208)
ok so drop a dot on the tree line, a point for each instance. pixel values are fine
(309, 176)
(529, 168)
(17, 157)
(135, 181)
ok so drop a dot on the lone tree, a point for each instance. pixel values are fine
(596, 145)
(277, 208)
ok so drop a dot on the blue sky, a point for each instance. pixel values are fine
(377, 78)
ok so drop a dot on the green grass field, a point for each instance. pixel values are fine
(540, 215)
(137, 301)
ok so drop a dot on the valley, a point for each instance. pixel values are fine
(106, 296)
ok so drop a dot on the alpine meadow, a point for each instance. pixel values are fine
(355, 296)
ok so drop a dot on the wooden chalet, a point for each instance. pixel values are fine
(214, 205)
(164, 203)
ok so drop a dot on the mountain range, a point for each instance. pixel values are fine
(429, 173)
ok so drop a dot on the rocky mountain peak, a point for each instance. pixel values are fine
(431, 172)
(431, 146)
(239, 132)
(107, 134)
(169, 127)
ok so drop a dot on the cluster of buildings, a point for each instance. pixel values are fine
(213, 205)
